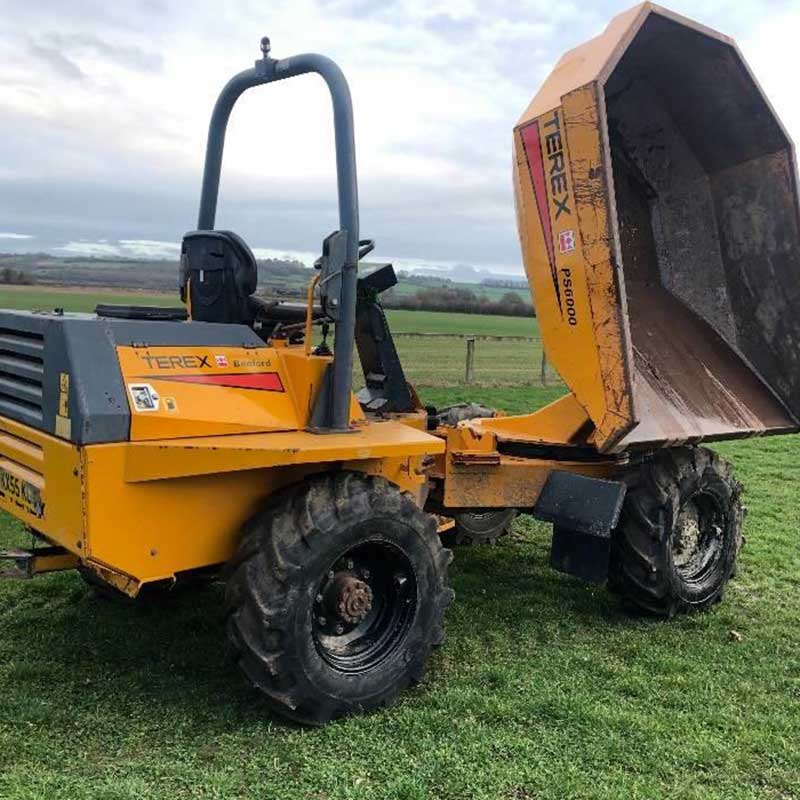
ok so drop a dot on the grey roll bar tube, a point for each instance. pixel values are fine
(268, 70)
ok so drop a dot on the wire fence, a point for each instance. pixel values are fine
(454, 359)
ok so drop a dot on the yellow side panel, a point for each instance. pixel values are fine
(153, 530)
(168, 458)
(40, 483)
(198, 391)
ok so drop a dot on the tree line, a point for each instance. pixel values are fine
(457, 299)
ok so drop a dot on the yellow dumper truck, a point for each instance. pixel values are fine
(657, 208)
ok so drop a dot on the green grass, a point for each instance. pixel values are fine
(436, 322)
(546, 688)
(41, 298)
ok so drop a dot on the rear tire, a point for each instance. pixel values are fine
(336, 596)
(679, 534)
(481, 527)
(475, 527)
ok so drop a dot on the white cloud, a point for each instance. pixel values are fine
(124, 248)
(106, 106)
(6, 235)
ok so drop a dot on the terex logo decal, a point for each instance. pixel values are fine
(553, 173)
(176, 362)
(558, 169)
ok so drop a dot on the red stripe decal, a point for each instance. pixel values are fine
(532, 145)
(262, 381)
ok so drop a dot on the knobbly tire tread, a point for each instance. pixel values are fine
(471, 530)
(641, 568)
(281, 547)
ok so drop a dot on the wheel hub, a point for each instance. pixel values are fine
(697, 542)
(364, 606)
(352, 598)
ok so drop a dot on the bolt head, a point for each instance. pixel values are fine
(339, 630)
(322, 621)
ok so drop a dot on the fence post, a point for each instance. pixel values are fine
(468, 375)
(543, 377)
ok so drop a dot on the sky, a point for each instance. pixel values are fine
(105, 106)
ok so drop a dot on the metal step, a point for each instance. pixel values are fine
(18, 563)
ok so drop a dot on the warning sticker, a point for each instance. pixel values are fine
(222, 361)
(143, 396)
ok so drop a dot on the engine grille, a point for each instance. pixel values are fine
(21, 375)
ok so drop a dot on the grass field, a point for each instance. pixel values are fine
(545, 688)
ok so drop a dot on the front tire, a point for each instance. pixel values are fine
(336, 596)
(680, 532)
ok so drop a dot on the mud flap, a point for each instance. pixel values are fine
(583, 511)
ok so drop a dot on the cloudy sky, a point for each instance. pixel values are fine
(105, 106)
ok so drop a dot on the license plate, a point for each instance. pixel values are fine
(16, 491)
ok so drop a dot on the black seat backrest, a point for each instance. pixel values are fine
(221, 273)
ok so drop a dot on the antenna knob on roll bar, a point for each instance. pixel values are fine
(265, 46)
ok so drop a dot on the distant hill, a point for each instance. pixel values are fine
(276, 278)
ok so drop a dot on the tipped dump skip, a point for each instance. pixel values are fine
(685, 272)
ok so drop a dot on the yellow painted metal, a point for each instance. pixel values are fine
(196, 391)
(207, 455)
(161, 507)
(183, 408)
(478, 475)
(40, 483)
(174, 497)
(569, 263)
(564, 421)
(151, 530)
(508, 481)
(43, 562)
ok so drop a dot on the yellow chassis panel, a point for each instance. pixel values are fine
(143, 511)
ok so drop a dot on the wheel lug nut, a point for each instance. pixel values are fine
(330, 575)
(318, 598)
(339, 630)
(350, 564)
(365, 574)
(322, 621)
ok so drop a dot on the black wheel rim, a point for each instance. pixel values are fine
(364, 606)
(699, 537)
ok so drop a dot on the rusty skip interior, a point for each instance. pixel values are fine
(707, 237)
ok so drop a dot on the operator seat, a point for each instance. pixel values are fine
(220, 274)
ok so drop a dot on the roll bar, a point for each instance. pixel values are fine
(336, 416)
